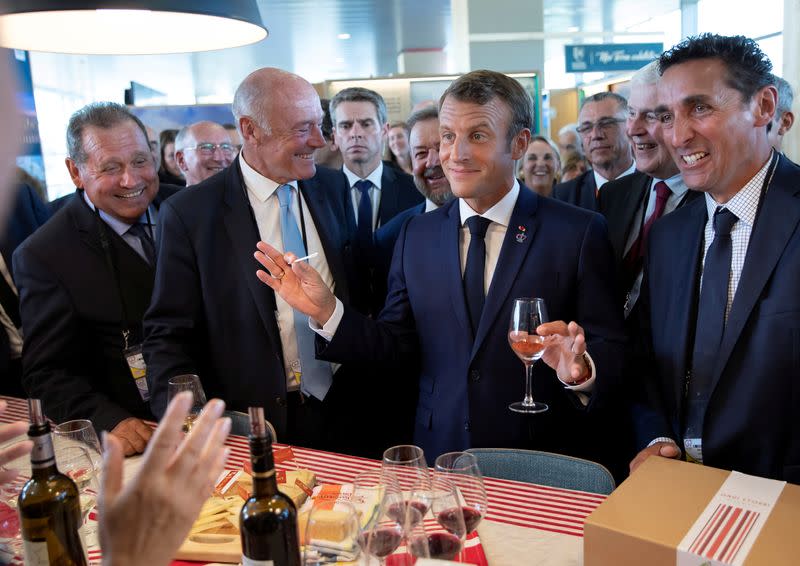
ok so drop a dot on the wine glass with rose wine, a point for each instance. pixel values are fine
(526, 316)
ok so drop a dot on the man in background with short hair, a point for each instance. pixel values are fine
(203, 149)
(784, 117)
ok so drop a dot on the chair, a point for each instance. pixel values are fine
(240, 424)
(544, 468)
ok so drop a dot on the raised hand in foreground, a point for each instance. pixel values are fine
(146, 520)
(11, 453)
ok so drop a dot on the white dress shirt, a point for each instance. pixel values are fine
(121, 228)
(600, 180)
(374, 191)
(263, 197)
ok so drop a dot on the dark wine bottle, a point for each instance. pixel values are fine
(49, 503)
(268, 519)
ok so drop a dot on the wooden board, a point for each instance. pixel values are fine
(204, 547)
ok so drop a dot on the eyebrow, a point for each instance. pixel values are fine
(695, 99)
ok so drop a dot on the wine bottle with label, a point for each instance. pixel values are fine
(268, 520)
(49, 503)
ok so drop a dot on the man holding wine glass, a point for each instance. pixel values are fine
(454, 277)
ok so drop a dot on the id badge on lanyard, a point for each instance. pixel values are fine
(135, 360)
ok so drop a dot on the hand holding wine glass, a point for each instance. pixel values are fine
(526, 316)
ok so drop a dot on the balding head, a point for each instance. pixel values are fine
(279, 116)
(203, 149)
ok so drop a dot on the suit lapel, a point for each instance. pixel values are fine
(588, 192)
(776, 223)
(509, 262)
(451, 264)
(389, 196)
(243, 233)
(629, 207)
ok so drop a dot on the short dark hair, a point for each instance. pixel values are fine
(748, 68)
(327, 124)
(359, 94)
(103, 115)
(621, 101)
(479, 87)
(427, 113)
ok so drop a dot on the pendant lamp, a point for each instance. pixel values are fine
(132, 27)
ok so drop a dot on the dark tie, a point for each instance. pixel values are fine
(633, 259)
(141, 231)
(364, 229)
(474, 271)
(710, 318)
(9, 301)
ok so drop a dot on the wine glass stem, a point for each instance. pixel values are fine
(528, 384)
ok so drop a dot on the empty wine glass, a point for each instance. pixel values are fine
(526, 316)
(76, 461)
(407, 464)
(444, 538)
(461, 469)
(331, 535)
(188, 382)
(382, 521)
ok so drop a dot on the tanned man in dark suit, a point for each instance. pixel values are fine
(720, 307)
(455, 274)
(86, 276)
(601, 126)
(210, 315)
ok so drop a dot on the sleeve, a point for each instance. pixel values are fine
(56, 350)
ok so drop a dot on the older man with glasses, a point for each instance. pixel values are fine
(601, 125)
(203, 149)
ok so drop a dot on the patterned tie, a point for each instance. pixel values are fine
(141, 231)
(633, 259)
(316, 375)
(710, 320)
(364, 234)
(474, 271)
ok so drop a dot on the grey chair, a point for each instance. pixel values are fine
(544, 468)
(240, 424)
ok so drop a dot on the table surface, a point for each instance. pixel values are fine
(526, 523)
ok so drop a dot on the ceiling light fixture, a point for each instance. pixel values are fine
(343, 36)
(129, 27)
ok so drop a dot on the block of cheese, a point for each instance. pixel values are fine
(329, 525)
(297, 484)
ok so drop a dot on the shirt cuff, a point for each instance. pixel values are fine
(588, 385)
(662, 439)
(328, 329)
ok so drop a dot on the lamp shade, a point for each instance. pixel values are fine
(132, 27)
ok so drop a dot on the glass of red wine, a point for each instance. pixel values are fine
(406, 463)
(378, 495)
(461, 469)
(526, 315)
(442, 539)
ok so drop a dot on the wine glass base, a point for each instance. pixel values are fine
(533, 408)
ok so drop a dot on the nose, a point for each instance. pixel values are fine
(433, 158)
(459, 149)
(681, 133)
(129, 178)
(316, 139)
(635, 126)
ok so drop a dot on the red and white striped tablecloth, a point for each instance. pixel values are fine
(510, 502)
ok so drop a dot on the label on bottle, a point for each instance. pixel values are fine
(42, 454)
(36, 553)
(250, 562)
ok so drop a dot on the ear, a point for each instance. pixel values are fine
(764, 105)
(181, 161)
(385, 131)
(520, 143)
(74, 172)
(787, 120)
(248, 129)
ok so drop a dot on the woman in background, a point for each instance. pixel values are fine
(398, 153)
(169, 172)
(541, 166)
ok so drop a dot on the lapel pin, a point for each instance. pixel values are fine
(521, 235)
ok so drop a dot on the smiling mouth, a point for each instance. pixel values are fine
(304, 155)
(645, 146)
(131, 195)
(694, 157)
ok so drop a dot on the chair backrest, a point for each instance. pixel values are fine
(240, 424)
(544, 468)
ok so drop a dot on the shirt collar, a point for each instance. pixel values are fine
(116, 224)
(261, 187)
(374, 177)
(499, 213)
(675, 184)
(600, 180)
(430, 205)
(743, 204)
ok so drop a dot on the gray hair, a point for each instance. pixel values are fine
(422, 115)
(785, 95)
(182, 139)
(621, 101)
(102, 115)
(646, 76)
(570, 128)
(359, 94)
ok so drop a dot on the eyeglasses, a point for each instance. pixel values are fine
(210, 148)
(602, 124)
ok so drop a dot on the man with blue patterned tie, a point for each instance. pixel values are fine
(210, 315)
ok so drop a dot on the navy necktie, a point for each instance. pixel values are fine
(710, 319)
(364, 229)
(475, 268)
(315, 376)
(141, 231)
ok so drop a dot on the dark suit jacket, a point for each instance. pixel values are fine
(466, 383)
(751, 422)
(580, 191)
(398, 193)
(27, 214)
(72, 315)
(385, 239)
(210, 315)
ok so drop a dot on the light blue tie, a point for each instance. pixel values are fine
(316, 375)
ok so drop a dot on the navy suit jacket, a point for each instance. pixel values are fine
(580, 191)
(210, 315)
(385, 239)
(72, 317)
(466, 382)
(751, 422)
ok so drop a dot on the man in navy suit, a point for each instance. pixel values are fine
(601, 126)
(455, 274)
(721, 311)
(209, 315)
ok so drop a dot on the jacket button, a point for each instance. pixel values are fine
(280, 401)
(475, 375)
(466, 426)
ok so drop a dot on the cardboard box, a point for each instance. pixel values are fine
(648, 515)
